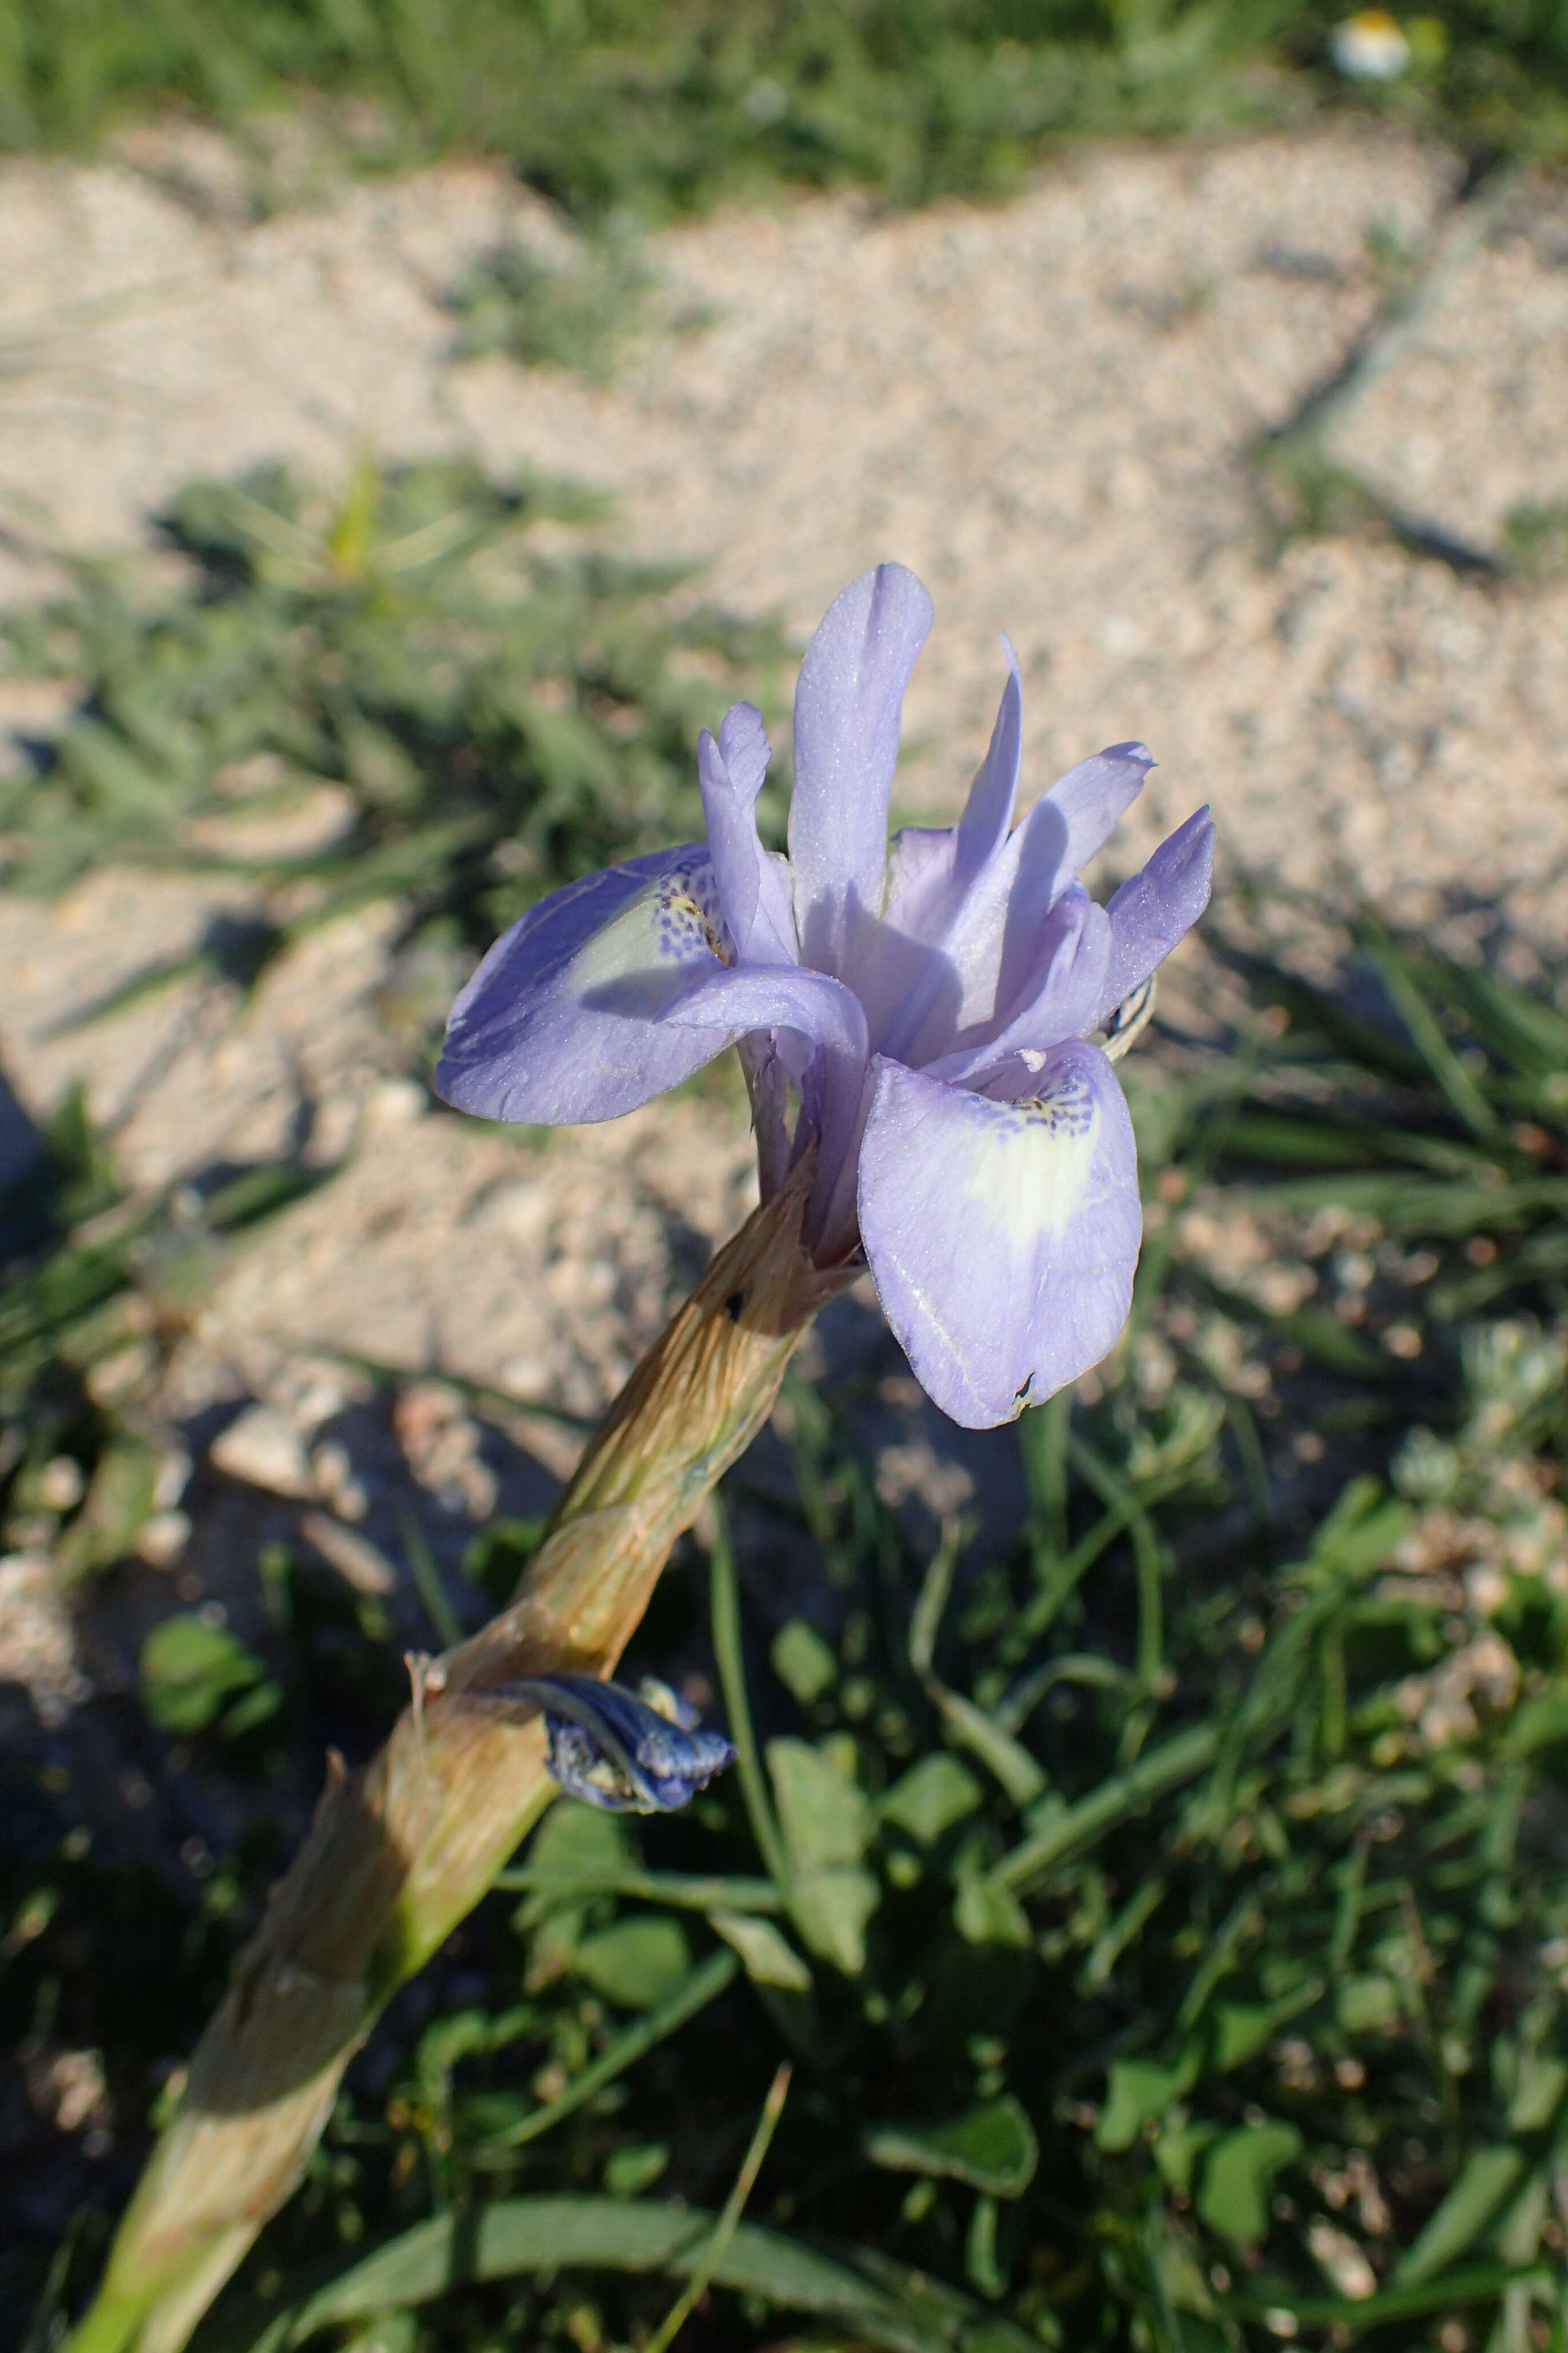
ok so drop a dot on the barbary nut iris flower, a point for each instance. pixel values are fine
(923, 1013)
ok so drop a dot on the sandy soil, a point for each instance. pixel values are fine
(1049, 409)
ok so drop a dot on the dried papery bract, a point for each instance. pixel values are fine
(399, 1854)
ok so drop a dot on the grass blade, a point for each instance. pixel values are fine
(724, 2229)
(516, 2236)
(703, 1986)
(725, 1602)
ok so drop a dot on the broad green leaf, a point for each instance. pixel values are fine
(931, 1796)
(826, 1819)
(1139, 2092)
(1238, 2178)
(831, 1908)
(767, 1956)
(1239, 2029)
(636, 1963)
(823, 1812)
(631, 2170)
(994, 2148)
(1368, 2004)
(191, 1672)
(1538, 2093)
(802, 1661)
(1540, 1721)
(573, 1846)
(1178, 2149)
(985, 1913)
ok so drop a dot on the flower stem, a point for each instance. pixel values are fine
(400, 1852)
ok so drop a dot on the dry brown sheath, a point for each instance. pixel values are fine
(400, 1852)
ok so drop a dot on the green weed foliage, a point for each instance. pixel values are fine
(1158, 1889)
(486, 720)
(615, 106)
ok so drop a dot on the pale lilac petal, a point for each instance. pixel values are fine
(752, 892)
(928, 966)
(1155, 909)
(562, 1021)
(920, 868)
(988, 812)
(1002, 1236)
(810, 1007)
(846, 708)
(901, 974)
(932, 870)
(1096, 794)
(1059, 836)
(1060, 998)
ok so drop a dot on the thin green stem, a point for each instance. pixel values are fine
(426, 1576)
(713, 2254)
(1039, 1613)
(693, 1994)
(684, 1891)
(1180, 1759)
(725, 1602)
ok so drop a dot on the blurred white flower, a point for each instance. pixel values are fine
(1370, 46)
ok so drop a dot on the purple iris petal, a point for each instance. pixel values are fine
(1057, 998)
(921, 1017)
(1156, 909)
(847, 708)
(1059, 836)
(1002, 1235)
(752, 892)
(1096, 795)
(562, 1021)
(988, 812)
(810, 1007)
(930, 963)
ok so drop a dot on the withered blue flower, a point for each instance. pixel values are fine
(639, 1752)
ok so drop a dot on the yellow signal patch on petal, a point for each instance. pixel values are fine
(1033, 1161)
(1002, 1235)
(656, 943)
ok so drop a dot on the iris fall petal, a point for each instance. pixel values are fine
(563, 1020)
(1002, 1236)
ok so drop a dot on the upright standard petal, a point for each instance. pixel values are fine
(1155, 909)
(1096, 795)
(1056, 1000)
(928, 969)
(1002, 1236)
(988, 811)
(847, 708)
(752, 890)
(564, 1019)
